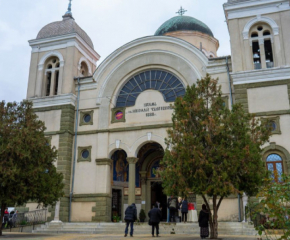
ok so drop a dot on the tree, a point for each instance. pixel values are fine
(275, 205)
(27, 170)
(211, 150)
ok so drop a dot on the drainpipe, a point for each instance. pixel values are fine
(231, 97)
(75, 150)
(229, 78)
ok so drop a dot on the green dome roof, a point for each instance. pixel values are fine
(185, 23)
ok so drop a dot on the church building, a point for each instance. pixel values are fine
(109, 121)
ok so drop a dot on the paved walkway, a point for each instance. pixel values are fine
(24, 236)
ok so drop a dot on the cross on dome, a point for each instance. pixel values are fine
(181, 11)
(69, 8)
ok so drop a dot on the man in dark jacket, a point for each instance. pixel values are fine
(130, 218)
(155, 217)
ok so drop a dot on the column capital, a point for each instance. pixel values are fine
(143, 173)
(132, 160)
(104, 161)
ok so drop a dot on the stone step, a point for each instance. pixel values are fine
(225, 228)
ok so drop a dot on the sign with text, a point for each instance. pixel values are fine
(137, 191)
(150, 106)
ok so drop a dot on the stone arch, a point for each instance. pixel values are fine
(113, 148)
(140, 142)
(258, 19)
(273, 148)
(147, 57)
(48, 55)
(83, 59)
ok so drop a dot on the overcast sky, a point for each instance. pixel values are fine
(109, 23)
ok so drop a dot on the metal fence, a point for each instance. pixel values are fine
(31, 218)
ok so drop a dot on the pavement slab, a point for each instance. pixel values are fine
(25, 236)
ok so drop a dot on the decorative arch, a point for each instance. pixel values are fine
(259, 19)
(83, 59)
(135, 59)
(139, 143)
(48, 55)
(273, 148)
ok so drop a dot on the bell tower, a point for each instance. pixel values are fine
(61, 51)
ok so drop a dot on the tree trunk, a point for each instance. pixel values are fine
(214, 233)
(213, 217)
(3, 206)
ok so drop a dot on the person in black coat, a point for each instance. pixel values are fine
(203, 222)
(184, 210)
(130, 218)
(155, 217)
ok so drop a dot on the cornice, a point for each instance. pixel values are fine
(261, 75)
(56, 100)
(86, 84)
(63, 41)
(241, 9)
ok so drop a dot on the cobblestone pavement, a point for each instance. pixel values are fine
(22, 236)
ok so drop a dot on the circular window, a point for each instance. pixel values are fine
(119, 115)
(87, 118)
(260, 28)
(54, 60)
(85, 154)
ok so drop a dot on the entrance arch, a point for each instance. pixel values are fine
(150, 156)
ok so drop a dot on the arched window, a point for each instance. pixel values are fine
(164, 82)
(52, 76)
(84, 69)
(261, 41)
(275, 165)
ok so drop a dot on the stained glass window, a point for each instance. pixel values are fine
(164, 82)
(275, 166)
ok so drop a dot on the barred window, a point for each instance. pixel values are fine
(164, 82)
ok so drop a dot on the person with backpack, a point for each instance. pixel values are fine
(155, 216)
(184, 210)
(130, 218)
(172, 207)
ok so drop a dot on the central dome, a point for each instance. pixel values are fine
(183, 23)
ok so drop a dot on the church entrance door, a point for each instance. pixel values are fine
(157, 195)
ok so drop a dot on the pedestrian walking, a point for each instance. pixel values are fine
(184, 210)
(130, 218)
(172, 207)
(155, 216)
(203, 222)
(14, 218)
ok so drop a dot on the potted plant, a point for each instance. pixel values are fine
(142, 215)
(115, 218)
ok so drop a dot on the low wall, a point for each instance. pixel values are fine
(25, 229)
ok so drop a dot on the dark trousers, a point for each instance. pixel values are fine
(155, 225)
(184, 217)
(172, 214)
(131, 228)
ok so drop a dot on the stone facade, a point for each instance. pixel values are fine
(119, 140)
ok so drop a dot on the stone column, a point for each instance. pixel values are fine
(245, 202)
(60, 80)
(52, 83)
(132, 175)
(39, 82)
(56, 213)
(262, 53)
(143, 189)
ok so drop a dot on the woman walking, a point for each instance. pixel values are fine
(184, 210)
(203, 222)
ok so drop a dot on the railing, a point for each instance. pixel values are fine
(31, 218)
